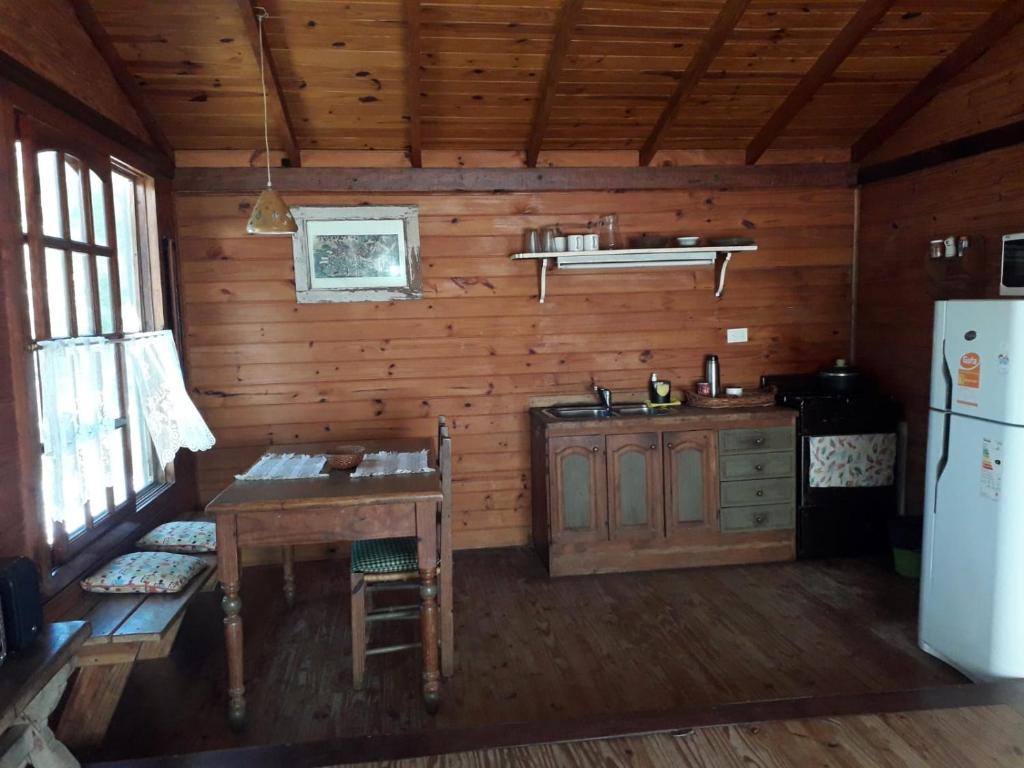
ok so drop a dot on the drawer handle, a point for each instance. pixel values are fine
(595, 449)
(760, 492)
(654, 447)
(760, 519)
(668, 445)
(759, 467)
(758, 441)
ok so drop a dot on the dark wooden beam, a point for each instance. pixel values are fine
(706, 52)
(410, 180)
(1005, 18)
(842, 46)
(276, 104)
(413, 51)
(565, 26)
(1005, 136)
(91, 23)
(31, 92)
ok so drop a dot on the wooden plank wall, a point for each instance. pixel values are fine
(478, 347)
(898, 284)
(981, 197)
(45, 35)
(988, 94)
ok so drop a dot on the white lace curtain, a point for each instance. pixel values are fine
(174, 421)
(78, 405)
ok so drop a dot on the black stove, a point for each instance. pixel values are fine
(839, 521)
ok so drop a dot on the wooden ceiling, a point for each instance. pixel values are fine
(540, 74)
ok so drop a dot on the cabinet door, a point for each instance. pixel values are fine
(691, 481)
(634, 486)
(578, 490)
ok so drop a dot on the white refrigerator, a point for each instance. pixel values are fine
(972, 579)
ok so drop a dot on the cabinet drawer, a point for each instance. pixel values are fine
(765, 518)
(746, 466)
(740, 493)
(747, 440)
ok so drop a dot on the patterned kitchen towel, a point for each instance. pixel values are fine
(853, 461)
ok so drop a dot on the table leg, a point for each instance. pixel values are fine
(426, 531)
(289, 576)
(229, 572)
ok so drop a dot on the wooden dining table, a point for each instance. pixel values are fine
(321, 510)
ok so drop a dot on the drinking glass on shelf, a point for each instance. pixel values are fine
(547, 238)
(608, 230)
(531, 241)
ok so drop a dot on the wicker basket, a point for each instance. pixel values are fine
(346, 457)
(760, 397)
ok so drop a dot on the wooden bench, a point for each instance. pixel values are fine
(125, 629)
(31, 684)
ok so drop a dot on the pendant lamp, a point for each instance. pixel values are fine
(271, 215)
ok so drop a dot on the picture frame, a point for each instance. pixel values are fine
(360, 253)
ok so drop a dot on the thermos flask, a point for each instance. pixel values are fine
(713, 375)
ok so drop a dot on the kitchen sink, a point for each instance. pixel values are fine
(597, 412)
(577, 412)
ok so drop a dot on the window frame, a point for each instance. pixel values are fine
(36, 137)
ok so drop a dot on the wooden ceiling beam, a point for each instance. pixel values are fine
(706, 52)
(424, 180)
(838, 50)
(552, 74)
(276, 104)
(413, 51)
(1005, 18)
(101, 40)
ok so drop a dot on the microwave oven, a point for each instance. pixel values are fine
(1011, 270)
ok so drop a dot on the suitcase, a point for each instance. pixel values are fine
(20, 601)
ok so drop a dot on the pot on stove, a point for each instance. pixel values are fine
(842, 379)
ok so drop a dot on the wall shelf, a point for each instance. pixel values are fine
(638, 258)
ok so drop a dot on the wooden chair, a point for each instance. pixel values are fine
(381, 565)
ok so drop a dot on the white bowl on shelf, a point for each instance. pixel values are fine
(687, 242)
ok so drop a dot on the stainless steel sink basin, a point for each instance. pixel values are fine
(597, 412)
(631, 409)
(577, 412)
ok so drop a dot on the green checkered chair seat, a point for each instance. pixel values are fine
(385, 556)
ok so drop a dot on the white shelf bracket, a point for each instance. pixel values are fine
(721, 276)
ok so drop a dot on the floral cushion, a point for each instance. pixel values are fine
(181, 536)
(146, 572)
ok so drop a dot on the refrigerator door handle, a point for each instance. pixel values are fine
(948, 377)
(943, 458)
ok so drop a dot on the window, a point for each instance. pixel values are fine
(92, 288)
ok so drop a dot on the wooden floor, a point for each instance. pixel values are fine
(533, 649)
(990, 736)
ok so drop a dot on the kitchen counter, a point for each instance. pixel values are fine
(685, 488)
(675, 416)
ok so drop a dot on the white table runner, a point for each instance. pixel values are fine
(392, 463)
(286, 466)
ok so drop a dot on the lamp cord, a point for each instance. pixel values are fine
(261, 14)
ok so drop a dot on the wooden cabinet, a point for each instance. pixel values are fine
(691, 481)
(635, 507)
(578, 490)
(700, 488)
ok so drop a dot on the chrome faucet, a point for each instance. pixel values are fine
(605, 396)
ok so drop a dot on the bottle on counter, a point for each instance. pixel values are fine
(713, 375)
(659, 390)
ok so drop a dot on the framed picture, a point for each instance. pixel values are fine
(357, 254)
